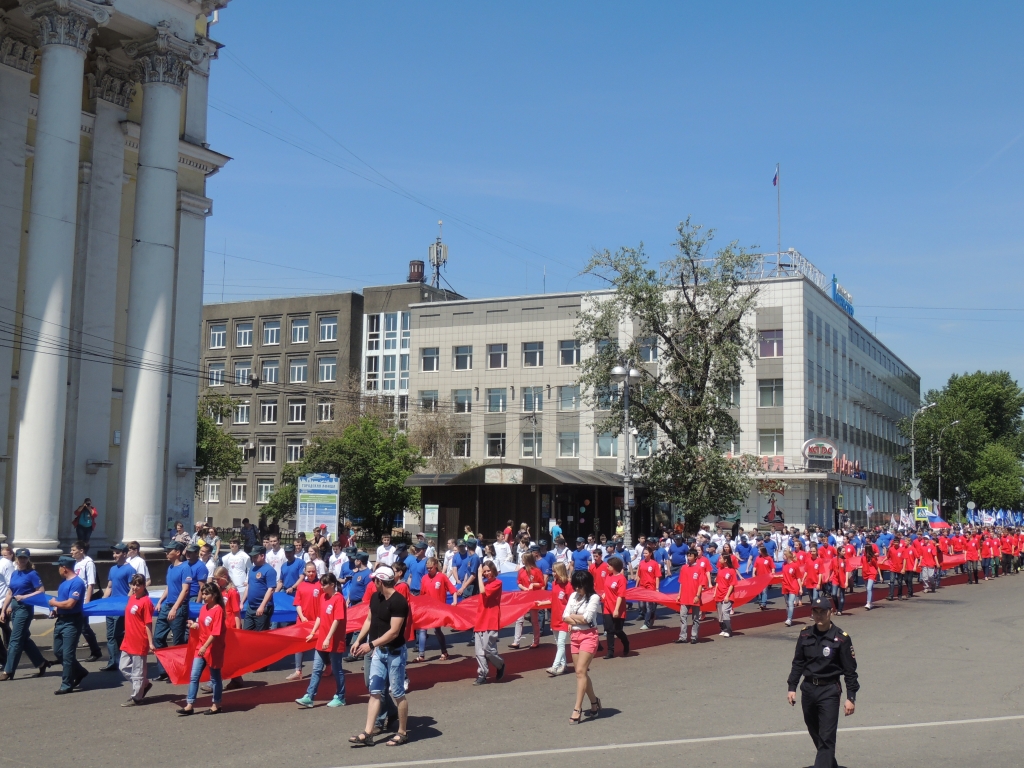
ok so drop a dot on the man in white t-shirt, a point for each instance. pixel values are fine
(137, 562)
(386, 551)
(502, 551)
(238, 564)
(275, 554)
(85, 569)
(448, 555)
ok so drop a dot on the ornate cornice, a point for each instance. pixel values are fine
(109, 82)
(164, 58)
(67, 22)
(16, 50)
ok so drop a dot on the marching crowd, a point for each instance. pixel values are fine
(581, 591)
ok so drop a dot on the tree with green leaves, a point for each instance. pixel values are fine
(980, 420)
(216, 451)
(691, 310)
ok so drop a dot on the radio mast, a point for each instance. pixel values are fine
(438, 255)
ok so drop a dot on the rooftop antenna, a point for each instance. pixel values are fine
(438, 253)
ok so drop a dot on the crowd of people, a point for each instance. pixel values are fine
(581, 592)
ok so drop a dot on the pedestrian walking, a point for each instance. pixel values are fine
(580, 615)
(488, 623)
(23, 583)
(137, 642)
(66, 607)
(328, 631)
(210, 653)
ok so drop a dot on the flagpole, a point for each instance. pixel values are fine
(778, 203)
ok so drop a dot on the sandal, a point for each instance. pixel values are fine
(595, 708)
(514, 645)
(444, 657)
(362, 739)
(397, 740)
(576, 719)
(418, 659)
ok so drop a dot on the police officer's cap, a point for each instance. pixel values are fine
(66, 561)
(120, 547)
(543, 542)
(821, 603)
(460, 543)
(192, 549)
(471, 543)
(420, 545)
(289, 549)
(580, 540)
(175, 545)
(363, 557)
(22, 553)
(534, 548)
(259, 549)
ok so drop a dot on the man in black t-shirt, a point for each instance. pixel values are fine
(384, 633)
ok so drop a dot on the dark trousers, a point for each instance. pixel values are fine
(972, 571)
(258, 623)
(21, 638)
(90, 637)
(66, 632)
(908, 579)
(163, 626)
(612, 629)
(5, 640)
(84, 534)
(820, 704)
(895, 585)
(115, 634)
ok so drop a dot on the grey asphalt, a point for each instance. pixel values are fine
(942, 658)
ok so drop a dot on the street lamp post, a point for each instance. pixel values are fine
(913, 466)
(626, 375)
(941, 432)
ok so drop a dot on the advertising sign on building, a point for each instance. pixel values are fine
(819, 450)
(318, 503)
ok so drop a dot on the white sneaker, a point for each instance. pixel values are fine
(722, 633)
(789, 623)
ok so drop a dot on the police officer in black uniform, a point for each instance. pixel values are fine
(823, 653)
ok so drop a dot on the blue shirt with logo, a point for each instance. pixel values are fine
(546, 562)
(120, 577)
(678, 553)
(73, 588)
(199, 573)
(581, 559)
(261, 580)
(177, 576)
(292, 573)
(357, 587)
(415, 569)
(23, 583)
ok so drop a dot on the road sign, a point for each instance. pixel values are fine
(971, 505)
(915, 488)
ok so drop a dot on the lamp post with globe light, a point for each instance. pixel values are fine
(626, 375)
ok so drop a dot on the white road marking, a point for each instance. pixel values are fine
(676, 742)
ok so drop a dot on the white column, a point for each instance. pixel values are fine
(89, 403)
(17, 60)
(162, 66)
(65, 28)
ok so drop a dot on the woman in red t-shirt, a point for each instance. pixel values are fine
(307, 607)
(210, 653)
(530, 579)
(328, 631)
(838, 581)
(791, 578)
(869, 570)
(972, 558)
(812, 572)
(137, 643)
(437, 587)
(232, 616)
(763, 564)
(725, 584)
(648, 576)
(488, 623)
(691, 585)
(560, 593)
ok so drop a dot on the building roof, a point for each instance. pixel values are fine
(517, 474)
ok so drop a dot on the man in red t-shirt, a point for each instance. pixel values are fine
(138, 640)
(328, 631)
(437, 587)
(763, 564)
(691, 585)
(614, 600)
(648, 576)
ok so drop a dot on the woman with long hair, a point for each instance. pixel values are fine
(24, 583)
(812, 572)
(869, 570)
(530, 579)
(580, 615)
(560, 593)
(488, 623)
(791, 589)
(232, 615)
(210, 652)
(839, 581)
(328, 631)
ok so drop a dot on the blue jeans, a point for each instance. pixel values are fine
(21, 638)
(870, 588)
(388, 710)
(66, 632)
(387, 673)
(320, 660)
(648, 613)
(115, 635)
(198, 665)
(563, 638)
(791, 605)
(164, 626)
(763, 598)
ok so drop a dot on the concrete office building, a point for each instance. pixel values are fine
(506, 368)
(103, 167)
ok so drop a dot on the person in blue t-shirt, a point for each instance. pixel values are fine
(361, 576)
(259, 602)
(677, 552)
(292, 570)
(660, 555)
(67, 608)
(545, 559)
(200, 573)
(581, 557)
(118, 585)
(713, 558)
(172, 608)
(465, 564)
(416, 566)
(746, 554)
(770, 545)
(556, 529)
(24, 583)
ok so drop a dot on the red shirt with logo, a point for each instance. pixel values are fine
(330, 610)
(138, 614)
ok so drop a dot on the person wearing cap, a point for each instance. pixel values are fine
(824, 653)
(259, 605)
(85, 569)
(383, 636)
(172, 608)
(322, 540)
(200, 573)
(416, 567)
(22, 584)
(118, 585)
(465, 564)
(66, 607)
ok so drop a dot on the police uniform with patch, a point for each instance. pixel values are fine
(820, 658)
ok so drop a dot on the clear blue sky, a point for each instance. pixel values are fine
(542, 131)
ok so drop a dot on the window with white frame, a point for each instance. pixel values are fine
(391, 330)
(533, 354)
(328, 329)
(213, 491)
(770, 442)
(607, 445)
(390, 374)
(644, 446)
(328, 369)
(463, 358)
(495, 444)
(268, 411)
(264, 489)
(271, 373)
(298, 371)
(300, 330)
(569, 398)
(218, 416)
(216, 374)
(271, 332)
(238, 488)
(296, 449)
(406, 329)
(372, 333)
(243, 372)
(462, 400)
(430, 359)
(297, 411)
(428, 400)
(243, 335)
(770, 343)
(497, 400)
(734, 395)
(325, 411)
(568, 445)
(242, 412)
(372, 372)
(497, 356)
(769, 393)
(462, 445)
(532, 445)
(266, 452)
(403, 372)
(533, 399)
(648, 349)
(568, 352)
(218, 336)
(606, 395)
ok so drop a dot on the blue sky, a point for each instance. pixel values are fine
(541, 131)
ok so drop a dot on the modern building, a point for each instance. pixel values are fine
(819, 405)
(103, 168)
(286, 363)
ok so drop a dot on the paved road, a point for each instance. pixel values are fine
(926, 666)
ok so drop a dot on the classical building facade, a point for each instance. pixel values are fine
(103, 168)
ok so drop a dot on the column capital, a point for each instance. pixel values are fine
(16, 50)
(164, 58)
(67, 22)
(110, 82)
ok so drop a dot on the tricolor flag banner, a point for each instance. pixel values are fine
(775, 178)
(870, 506)
(892, 523)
